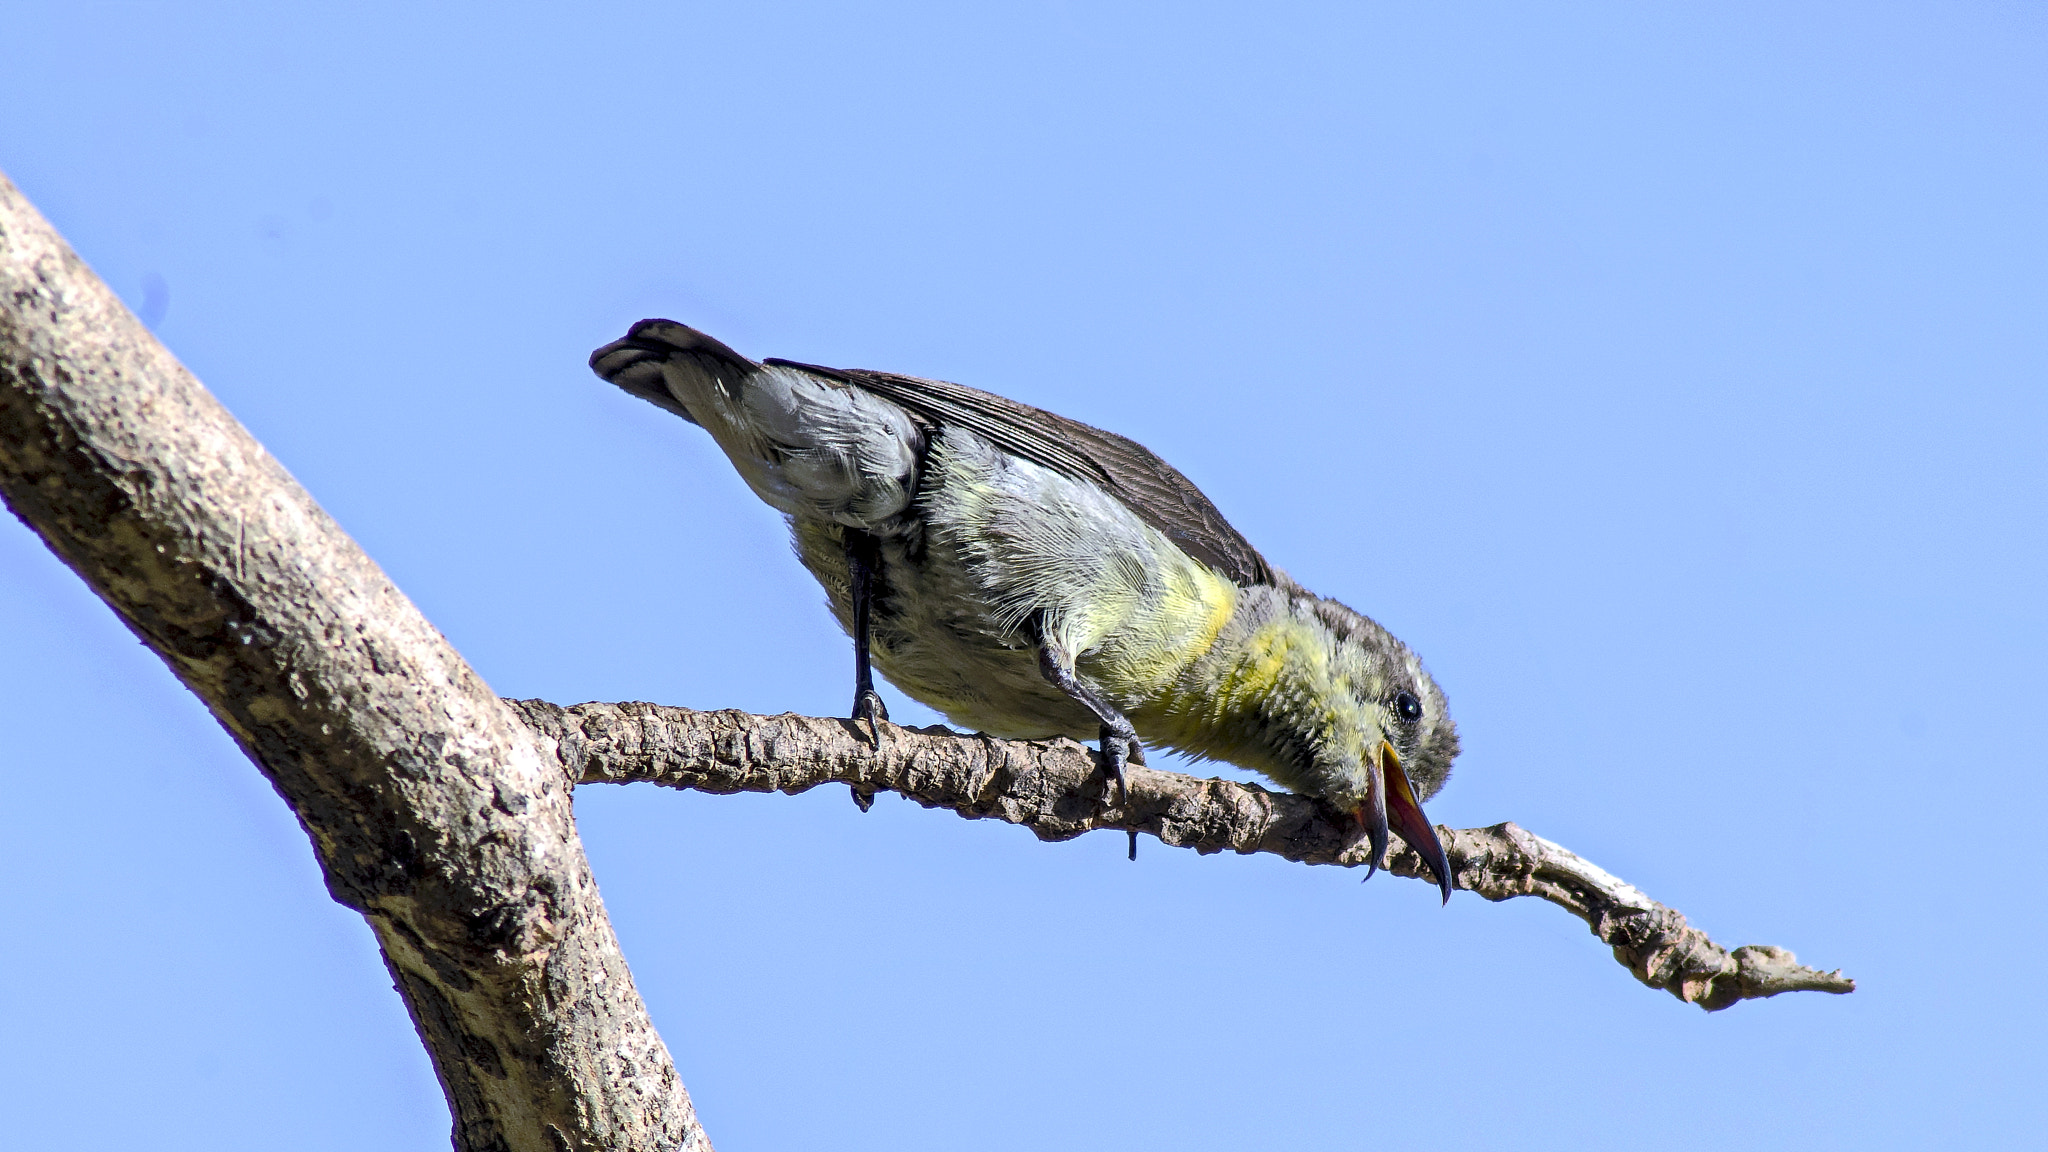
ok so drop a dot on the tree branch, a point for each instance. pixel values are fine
(430, 808)
(1058, 790)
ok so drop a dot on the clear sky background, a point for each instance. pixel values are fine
(1673, 377)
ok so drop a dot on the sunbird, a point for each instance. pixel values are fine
(1029, 576)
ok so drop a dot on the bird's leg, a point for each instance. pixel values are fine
(1119, 740)
(863, 562)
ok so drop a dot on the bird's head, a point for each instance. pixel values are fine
(1377, 733)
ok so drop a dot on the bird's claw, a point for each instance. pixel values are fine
(1117, 751)
(868, 707)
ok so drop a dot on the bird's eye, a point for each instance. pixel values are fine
(1407, 706)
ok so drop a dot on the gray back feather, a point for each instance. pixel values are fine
(1125, 469)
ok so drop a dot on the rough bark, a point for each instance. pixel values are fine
(430, 808)
(1058, 790)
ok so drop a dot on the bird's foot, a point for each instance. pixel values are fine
(863, 796)
(1119, 749)
(868, 707)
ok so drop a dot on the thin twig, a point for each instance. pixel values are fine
(1058, 790)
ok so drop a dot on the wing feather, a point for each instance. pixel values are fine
(1127, 470)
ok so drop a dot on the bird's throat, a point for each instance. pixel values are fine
(1252, 698)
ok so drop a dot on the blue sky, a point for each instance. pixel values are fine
(1674, 378)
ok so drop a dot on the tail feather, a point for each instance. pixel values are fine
(634, 363)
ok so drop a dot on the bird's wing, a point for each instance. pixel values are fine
(1127, 470)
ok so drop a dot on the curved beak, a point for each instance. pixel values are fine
(1390, 801)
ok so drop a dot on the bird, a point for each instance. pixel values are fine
(1029, 576)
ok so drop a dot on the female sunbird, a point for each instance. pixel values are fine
(1029, 576)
